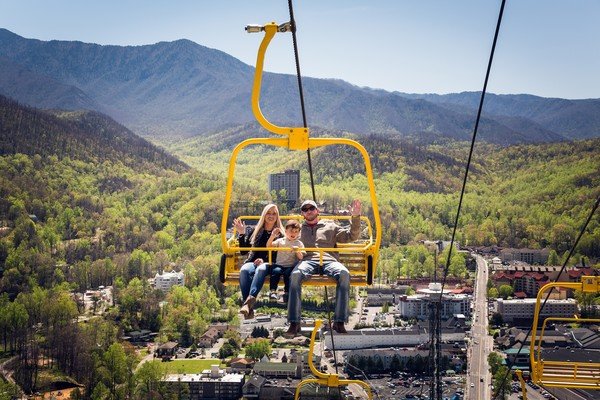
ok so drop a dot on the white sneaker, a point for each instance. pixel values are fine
(273, 296)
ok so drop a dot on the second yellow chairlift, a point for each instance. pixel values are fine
(563, 373)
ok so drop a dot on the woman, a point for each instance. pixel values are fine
(255, 268)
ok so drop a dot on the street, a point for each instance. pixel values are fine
(478, 375)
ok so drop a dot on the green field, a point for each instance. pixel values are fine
(189, 366)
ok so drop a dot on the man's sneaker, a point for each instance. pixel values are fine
(339, 327)
(293, 330)
(248, 308)
(273, 296)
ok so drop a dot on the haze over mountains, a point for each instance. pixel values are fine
(177, 89)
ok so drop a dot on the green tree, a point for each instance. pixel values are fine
(586, 302)
(101, 392)
(553, 258)
(139, 265)
(115, 369)
(227, 350)
(492, 293)
(148, 378)
(495, 362)
(496, 319)
(501, 385)
(233, 336)
(260, 331)
(386, 307)
(258, 349)
(505, 291)
(8, 391)
(395, 363)
(186, 338)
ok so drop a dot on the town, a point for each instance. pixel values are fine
(388, 346)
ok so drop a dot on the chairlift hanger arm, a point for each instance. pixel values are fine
(297, 136)
(329, 380)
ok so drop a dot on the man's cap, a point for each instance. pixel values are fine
(308, 203)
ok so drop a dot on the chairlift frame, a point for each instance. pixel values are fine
(360, 258)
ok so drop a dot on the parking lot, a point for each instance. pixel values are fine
(407, 387)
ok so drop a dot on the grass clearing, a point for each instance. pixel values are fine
(187, 366)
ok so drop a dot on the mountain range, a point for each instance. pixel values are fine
(179, 89)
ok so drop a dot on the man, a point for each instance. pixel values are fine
(317, 233)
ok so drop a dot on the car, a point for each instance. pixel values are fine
(472, 384)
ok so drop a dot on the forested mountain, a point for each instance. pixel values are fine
(174, 89)
(573, 119)
(82, 135)
(428, 168)
(41, 91)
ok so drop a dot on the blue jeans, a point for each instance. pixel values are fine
(277, 271)
(303, 271)
(252, 279)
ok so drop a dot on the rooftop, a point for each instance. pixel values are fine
(203, 378)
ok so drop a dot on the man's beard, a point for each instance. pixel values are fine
(311, 218)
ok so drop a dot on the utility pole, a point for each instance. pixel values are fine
(435, 333)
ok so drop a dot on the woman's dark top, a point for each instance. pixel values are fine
(261, 241)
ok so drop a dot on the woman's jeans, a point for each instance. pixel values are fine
(252, 278)
(303, 271)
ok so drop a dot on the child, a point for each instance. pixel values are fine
(286, 259)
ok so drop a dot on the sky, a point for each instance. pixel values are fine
(547, 48)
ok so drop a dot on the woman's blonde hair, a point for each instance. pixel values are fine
(261, 222)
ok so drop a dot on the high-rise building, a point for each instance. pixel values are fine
(288, 181)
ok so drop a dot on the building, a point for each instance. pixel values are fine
(387, 355)
(166, 280)
(518, 358)
(521, 310)
(241, 365)
(297, 366)
(213, 384)
(377, 296)
(260, 388)
(407, 337)
(253, 386)
(530, 278)
(301, 358)
(167, 349)
(143, 335)
(417, 305)
(270, 369)
(222, 327)
(514, 337)
(531, 256)
(288, 181)
(209, 338)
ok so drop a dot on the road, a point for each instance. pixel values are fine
(481, 344)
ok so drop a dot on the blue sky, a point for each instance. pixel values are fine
(546, 47)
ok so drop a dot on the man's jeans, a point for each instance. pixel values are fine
(303, 271)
